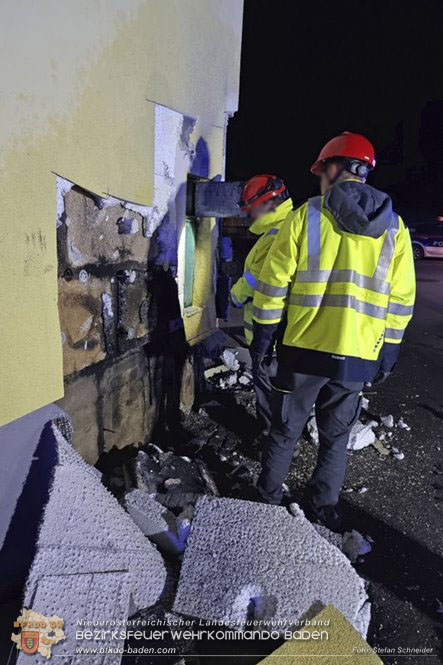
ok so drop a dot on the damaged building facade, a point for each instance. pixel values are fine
(111, 265)
(137, 294)
(108, 281)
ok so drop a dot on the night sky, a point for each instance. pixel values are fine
(311, 70)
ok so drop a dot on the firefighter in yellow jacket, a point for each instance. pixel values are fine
(340, 275)
(266, 200)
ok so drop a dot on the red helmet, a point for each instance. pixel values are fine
(260, 188)
(353, 146)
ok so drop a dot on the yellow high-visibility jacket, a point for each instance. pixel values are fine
(341, 271)
(242, 293)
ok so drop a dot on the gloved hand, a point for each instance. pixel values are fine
(380, 377)
(261, 358)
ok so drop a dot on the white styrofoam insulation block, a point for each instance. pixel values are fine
(18, 442)
(168, 125)
(96, 597)
(243, 556)
(85, 532)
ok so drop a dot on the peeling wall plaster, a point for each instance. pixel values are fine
(63, 186)
(172, 133)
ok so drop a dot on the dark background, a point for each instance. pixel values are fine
(311, 70)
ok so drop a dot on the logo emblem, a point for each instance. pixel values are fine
(30, 640)
(38, 633)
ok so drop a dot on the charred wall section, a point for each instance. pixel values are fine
(127, 365)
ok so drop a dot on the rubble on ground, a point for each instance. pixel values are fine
(378, 445)
(235, 370)
(402, 425)
(387, 421)
(255, 561)
(362, 435)
(355, 545)
(175, 481)
(229, 359)
(398, 454)
(247, 560)
(366, 432)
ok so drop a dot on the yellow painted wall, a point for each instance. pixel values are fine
(78, 89)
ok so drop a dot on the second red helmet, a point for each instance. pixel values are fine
(349, 145)
(260, 188)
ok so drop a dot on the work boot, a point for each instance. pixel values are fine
(327, 516)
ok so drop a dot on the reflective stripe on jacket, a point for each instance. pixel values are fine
(345, 275)
(242, 293)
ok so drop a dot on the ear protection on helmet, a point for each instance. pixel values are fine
(359, 169)
(271, 187)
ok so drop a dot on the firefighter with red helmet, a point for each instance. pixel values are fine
(267, 202)
(339, 279)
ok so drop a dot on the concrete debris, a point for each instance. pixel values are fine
(230, 381)
(156, 522)
(229, 359)
(397, 454)
(211, 372)
(387, 421)
(235, 371)
(362, 435)
(354, 545)
(358, 490)
(402, 425)
(364, 403)
(207, 478)
(91, 559)
(172, 482)
(378, 445)
(250, 560)
(244, 357)
(313, 430)
(175, 481)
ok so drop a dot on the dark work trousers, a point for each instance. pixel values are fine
(337, 407)
(263, 372)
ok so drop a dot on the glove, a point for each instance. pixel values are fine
(259, 359)
(380, 377)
